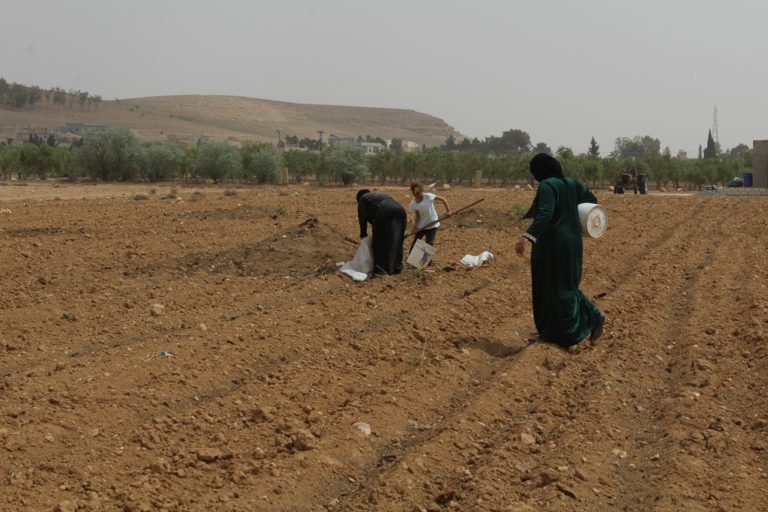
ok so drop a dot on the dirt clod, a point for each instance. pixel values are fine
(65, 506)
(156, 309)
(304, 440)
(209, 455)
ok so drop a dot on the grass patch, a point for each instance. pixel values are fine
(520, 210)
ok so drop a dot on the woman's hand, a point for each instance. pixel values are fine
(520, 246)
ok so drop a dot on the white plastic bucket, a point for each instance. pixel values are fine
(421, 254)
(594, 219)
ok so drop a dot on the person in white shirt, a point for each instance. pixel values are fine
(423, 206)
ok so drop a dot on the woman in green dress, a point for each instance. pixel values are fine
(562, 313)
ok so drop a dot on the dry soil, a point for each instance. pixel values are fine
(276, 359)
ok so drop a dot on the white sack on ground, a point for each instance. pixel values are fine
(476, 261)
(361, 265)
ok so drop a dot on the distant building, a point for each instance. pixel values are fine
(411, 147)
(371, 148)
(335, 140)
(83, 128)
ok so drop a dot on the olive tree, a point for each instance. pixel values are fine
(115, 154)
(262, 163)
(301, 164)
(164, 161)
(217, 161)
(9, 160)
(347, 163)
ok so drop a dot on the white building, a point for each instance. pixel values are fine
(371, 148)
(411, 147)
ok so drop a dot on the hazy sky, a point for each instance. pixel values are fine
(562, 70)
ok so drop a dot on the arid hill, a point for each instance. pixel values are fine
(185, 118)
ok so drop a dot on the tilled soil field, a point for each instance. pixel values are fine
(291, 388)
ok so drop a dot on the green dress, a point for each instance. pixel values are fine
(562, 313)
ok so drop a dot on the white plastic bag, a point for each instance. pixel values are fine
(476, 261)
(361, 265)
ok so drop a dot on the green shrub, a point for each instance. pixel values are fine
(217, 161)
(347, 163)
(262, 163)
(164, 161)
(111, 155)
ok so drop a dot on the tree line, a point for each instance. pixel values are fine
(503, 161)
(14, 95)
(117, 155)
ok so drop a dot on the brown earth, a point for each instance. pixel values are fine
(274, 359)
(185, 118)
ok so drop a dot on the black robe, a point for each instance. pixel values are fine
(388, 219)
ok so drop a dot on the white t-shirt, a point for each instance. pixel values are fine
(426, 209)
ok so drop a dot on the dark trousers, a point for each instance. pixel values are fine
(388, 234)
(430, 235)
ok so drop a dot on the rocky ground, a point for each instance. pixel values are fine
(288, 387)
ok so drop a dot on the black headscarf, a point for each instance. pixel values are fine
(544, 166)
(361, 193)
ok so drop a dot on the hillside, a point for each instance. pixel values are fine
(247, 119)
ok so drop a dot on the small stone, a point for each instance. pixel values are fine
(203, 327)
(156, 309)
(65, 506)
(656, 457)
(363, 428)
(304, 440)
(619, 453)
(710, 331)
(209, 455)
(581, 475)
(527, 438)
